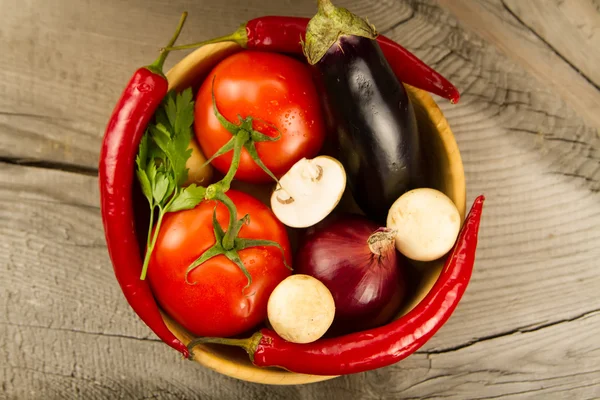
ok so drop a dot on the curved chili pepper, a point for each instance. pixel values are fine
(140, 99)
(378, 347)
(284, 35)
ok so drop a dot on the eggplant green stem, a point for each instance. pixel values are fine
(326, 6)
(326, 27)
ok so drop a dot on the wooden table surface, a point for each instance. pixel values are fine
(527, 126)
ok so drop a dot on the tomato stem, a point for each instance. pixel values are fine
(230, 235)
(240, 139)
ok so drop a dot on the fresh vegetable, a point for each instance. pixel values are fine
(426, 222)
(309, 191)
(161, 164)
(132, 113)
(375, 124)
(212, 298)
(284, 35)
(229, 272)
(358, 262)
(199, 172)
(301, 309)
(378, 347)
(270, 93)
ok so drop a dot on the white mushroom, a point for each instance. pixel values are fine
(301, 309)
(427, 223)
(309, 191)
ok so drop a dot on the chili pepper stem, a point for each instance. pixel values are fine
(239, 36)
(157, 66)
(249, 344)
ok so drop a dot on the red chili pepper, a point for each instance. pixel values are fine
(140, 99)
(283, 34)
(378, 347)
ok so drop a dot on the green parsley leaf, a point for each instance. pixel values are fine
(185, 113)
(151, 173)
(142, 157)
(161, 116)
(145, 184)
(170, 108)
(161, 184)
(188, 198)
(162, 155)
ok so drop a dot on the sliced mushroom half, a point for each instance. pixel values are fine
(309, 191)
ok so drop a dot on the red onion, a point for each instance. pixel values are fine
(358, 262)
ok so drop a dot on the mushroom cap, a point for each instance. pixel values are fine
(426, 222)
(301, 309)
(309, 191)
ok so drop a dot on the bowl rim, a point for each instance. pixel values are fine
(273, 376)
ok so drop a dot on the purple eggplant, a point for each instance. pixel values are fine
(375, 126)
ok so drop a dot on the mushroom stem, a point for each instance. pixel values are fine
(311, 170)
(286, 198)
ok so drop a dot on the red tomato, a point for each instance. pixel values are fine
(215, 303)
(269, 86)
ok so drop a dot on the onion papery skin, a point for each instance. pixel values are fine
(367, 287)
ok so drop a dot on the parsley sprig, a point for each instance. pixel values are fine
(161, 171)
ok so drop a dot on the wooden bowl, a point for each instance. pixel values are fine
(447, 175)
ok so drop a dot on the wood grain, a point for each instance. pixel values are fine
(527, 127)
(73, 334)
(73, 365)
(571, 28)
(494, 21)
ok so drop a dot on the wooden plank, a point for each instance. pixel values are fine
(495, 24)
(61, 78)
(54, 255)
(571, 28)
(556, 362)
